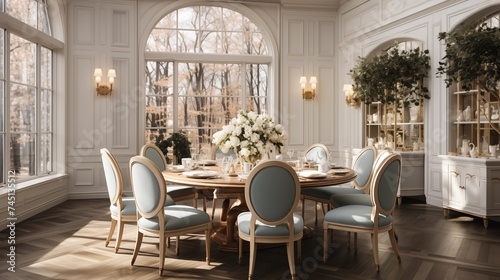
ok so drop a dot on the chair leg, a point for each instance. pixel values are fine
(394, 243)
(138, 243)
(291, 259)
(207, 245)
(177, 244)
(315, 213)
(299, 250)
(121, 225)
(303, 203)
(195, 200)
(325, 242)
(214, 205)
(240, 250)
(111, 231)
(355, 241)
(204, 198)
(375, 250)
(253, 252)
(163, 240)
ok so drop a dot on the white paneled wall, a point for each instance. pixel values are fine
(309, 48)
(101, 34)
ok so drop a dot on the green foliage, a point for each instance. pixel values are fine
(394, 76)
(180, 141)
(472, 56)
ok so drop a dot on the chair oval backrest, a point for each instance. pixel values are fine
(363, 165)
(315, 150)
(113, 176)
(154, 153)
(148, 186)
(385, 183)
(272, 191)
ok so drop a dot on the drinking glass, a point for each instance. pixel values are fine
(290, 153)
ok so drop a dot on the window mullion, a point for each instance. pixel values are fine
(7, 129)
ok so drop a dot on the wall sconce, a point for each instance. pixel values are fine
(102, 88)
(351, 98)
(308, 93)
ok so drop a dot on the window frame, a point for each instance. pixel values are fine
(269, 59)
(10, 25)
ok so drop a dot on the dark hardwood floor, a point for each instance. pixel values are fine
(67, 242)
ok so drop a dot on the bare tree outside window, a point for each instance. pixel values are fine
(200, 97)
(27, 131)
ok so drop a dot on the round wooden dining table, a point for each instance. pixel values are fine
(225, 233)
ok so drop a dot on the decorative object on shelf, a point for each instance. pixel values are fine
(351, 98)
(308, 93)
(395, 76)
(103, 88)
(251, 135)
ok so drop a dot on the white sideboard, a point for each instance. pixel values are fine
(472, 186)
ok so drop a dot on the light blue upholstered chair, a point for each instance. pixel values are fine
(343, 199)
(362, 164)
(156, 220)
(272, 193)
(225, 194)
(374, 219)
(177, 192)
(122, 208)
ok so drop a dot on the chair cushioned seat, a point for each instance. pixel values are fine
(169, 201)
(265, 230)
(340, 200)
(178, 190)
(177, 217)
(355, 215)
(326, 192)
(128, 207)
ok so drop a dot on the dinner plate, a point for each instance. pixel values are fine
(311, 174)
(340, 170)
(243, 176)
(208, 162)
(200, 174)
(176, 168)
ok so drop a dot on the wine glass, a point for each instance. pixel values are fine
(290, 153)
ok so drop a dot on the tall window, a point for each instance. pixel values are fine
(25, 94)
(203, 64)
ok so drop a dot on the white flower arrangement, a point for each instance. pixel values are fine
(251, 135)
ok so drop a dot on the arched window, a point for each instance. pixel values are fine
(26, 90)
(203, 64)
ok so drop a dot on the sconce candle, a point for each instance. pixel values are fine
(351, 99)
(308, 93)
(104, 89)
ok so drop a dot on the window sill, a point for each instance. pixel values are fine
(33, 183)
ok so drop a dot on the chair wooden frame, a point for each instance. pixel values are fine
(159, 212)
(288, 219)
(313, 198)
(364, 187)
(222, 193)
(116, 199)
(194, 196)
(377, 210)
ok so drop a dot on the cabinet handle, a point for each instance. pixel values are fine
(462, 187)
(495, 179)
(469, 175)
(454, 173)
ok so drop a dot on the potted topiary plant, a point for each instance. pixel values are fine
(472, 57)
(394, 76)
(180, 143)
